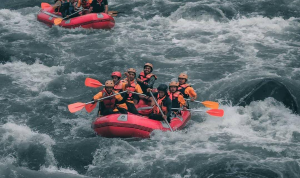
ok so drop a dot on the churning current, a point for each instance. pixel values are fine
(243, 54)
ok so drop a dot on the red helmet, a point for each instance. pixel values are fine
(116, 73)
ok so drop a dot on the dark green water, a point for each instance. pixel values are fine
(220, 44)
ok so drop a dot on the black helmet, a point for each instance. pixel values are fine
(163, 87)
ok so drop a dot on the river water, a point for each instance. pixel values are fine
(218, 43)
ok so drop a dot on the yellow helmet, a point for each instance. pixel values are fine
(150, 65)
(131, 70)
(183, 75)
(109, 83)
(173, 84)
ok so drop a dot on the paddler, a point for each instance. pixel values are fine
(186, 89)
(164, 103)
(108, 106)
(146, 79)
(132, 85)
(176, 97)
(85, 4)
(98, 6)
(116, 77)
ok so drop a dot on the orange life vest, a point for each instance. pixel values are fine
(85, 5)
(160, 103)
(131, 88)
(182, 88)
(147, 77)
(108, 103)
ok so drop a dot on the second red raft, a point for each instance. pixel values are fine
(93, 20)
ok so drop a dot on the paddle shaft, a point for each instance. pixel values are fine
(194, 101)
(106, 97)
(161, 111)
(74, 13)
(189, 109)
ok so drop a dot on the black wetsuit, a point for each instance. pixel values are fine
(99, 5)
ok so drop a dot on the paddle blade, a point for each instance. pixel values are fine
(216, 112)
(75, 107)
(90, 107)
(45, 5)
(57, 21)
(210, 104)
(89, 82)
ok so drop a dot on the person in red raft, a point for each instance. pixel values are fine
(108, 106)
(185, 88)
(116, 77)
(176, 97)
(164, 103)
(146, 79)
(98, 6)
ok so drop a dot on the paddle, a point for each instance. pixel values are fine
(161, 111)
(79, 106)
(114, 13)
(57, 21)
(208, 104)
(212, 112)
(45, 5)
(144, 108)
(89, 82)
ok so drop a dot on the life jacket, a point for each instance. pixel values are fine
(160, 102)
(174, 99)
(145, 79)
(109, 103)
(131, 88)
(85, 5)
(119, 87)
(182, 88)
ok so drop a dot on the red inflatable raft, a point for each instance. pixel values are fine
(130, 125)
(93, 20)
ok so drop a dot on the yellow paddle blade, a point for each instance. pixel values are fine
(57, 21)
(210, 104)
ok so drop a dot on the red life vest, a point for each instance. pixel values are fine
(119, 87)
(147, 77)
(131, 88)
(108, 103)
(182, 88)
(161, 105)
(174, 99)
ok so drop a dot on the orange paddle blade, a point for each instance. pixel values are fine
(75, 107)
(89, 82)
(45, 5)
(216, 112)
(90, 107)
(57, 21)
(210, 104)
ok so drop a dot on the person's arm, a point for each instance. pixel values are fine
(191, 92)
(106, 6)
(98, 96)
(138, 89)
(169, 108)
(151, 82)
(118, 97)
(182, 102)
(78, 3)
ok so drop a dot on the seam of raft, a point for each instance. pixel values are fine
(123, 125)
